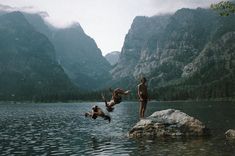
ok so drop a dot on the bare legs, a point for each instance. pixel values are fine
(120, 91)
(142, 108)
(106, 117)
(106, 103)
(109, 105)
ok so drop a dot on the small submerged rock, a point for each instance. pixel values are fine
(170, 122)
(230, 134)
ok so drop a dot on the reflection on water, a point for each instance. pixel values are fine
(58, 129)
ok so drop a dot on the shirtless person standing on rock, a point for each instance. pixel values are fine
(143, 96)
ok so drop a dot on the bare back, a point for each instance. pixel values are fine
(100, 112)
(142, 91)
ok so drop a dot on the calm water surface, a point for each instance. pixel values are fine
(61, 129)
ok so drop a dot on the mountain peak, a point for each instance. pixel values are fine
(15, 14)
(15, 17)
(75, 26)
(113, 57)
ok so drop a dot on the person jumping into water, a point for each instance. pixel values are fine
(116, 98)
(97, 112)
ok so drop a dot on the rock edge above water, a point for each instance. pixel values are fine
(230, 134)
(171, 123)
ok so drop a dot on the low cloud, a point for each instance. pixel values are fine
(170, 6)
(107, 21)
(26, 9)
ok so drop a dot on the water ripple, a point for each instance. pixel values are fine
(59, 129)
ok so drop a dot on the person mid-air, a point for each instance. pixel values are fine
(116, 98)
(97, 112)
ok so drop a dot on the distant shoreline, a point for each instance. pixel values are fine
(81, 101)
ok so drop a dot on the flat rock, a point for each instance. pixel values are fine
(230, 134)
(170, 122)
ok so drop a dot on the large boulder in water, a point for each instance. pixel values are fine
(170, 122)
(230, 134)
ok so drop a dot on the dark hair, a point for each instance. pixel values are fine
(95, 108)
(109, 109)
(143, 79)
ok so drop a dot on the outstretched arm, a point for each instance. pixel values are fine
(88, 114)
(91, 114)
(121, 91)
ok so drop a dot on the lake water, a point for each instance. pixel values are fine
(61, 129)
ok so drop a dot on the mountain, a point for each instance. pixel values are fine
(76, 52)
(36, 20)
(112, 57)
(142, 29)
(187, 55)
(81, 58)
(28, 66)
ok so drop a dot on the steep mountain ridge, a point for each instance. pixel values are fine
(113, 57)
(76, 52)
(81, 58)
(167, 53)
(28, 68)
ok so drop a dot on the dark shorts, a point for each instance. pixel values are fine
(144, 101)
(94, 117)
(106, 117)
(117, 100)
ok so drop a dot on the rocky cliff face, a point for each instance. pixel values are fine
(113, 57)
(142, 29)
(77, 53)
(28, 67)
(81, 58)
(174, 50)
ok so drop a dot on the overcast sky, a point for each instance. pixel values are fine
(107, 21)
